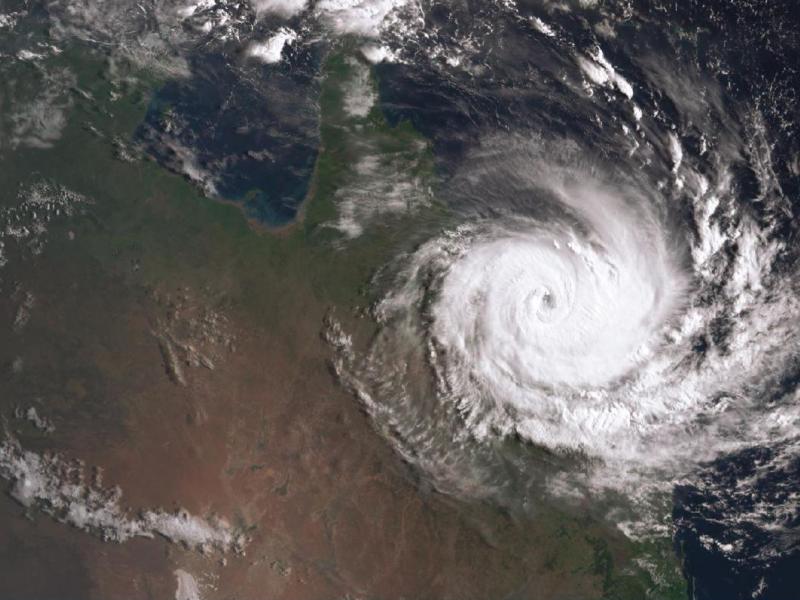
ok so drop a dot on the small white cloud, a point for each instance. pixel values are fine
(190, 8)
(28, 55)
(8, 20)
(359, 96)
(377, 54)
(593, 71)
(602, 72)
(187, 586)
(270, 52)
(543, 27)
(675, 152)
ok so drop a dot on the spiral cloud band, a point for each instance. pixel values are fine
(542, 307)
(565, 309)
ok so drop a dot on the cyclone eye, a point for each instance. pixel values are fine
(545, 302)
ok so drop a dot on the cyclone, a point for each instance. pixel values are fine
(536, 305)
(543, 313)
(564, 307)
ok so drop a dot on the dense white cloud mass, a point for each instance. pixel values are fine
(283, 8)
(362, 17)
(567, 310)
(532, 304)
